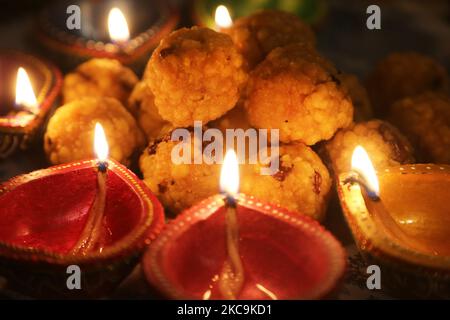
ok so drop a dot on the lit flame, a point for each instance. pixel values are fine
(229, 175)
(363, 166)
(117, 26)
(207, 294)
(100, 144)
(222, 17)
(24, 91)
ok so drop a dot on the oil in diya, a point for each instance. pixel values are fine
(400, 220)
(233, 246)
(126, 30)
(23, 115)
(95, 214)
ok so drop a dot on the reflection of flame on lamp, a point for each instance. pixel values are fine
(222, 17)
(229, 175)
(25, 96)
(117, 26)
(362, 165)
(100, 144)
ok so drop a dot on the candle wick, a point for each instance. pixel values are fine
(91, 233)
(102, 166)
(355, 178)
(230, 201)
(31, 110)
(231, 278)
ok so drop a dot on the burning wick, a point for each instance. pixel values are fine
(92, 230)
(231, 278)
(363, 173)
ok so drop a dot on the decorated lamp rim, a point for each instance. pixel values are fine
(203, 210)
(141, 235)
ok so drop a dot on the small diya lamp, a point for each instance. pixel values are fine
(95, 214)
(233, 246)
(126, 30)
(25, 108)
(400, 220)
(204, 12)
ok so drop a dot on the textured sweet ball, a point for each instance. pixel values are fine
(142, 104)
(236, 118)
(362, 109)
(404, 74)
(258, 34)
(177, 186)
(99, 78)
(297, 91)
(70, 131)
(425, 120)
(382, 141)
(195, 74)
(301, 184)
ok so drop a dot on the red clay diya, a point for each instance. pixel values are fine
(25, 78)
(400, 220)
(94, 214)
(247, 249)
(127, 33)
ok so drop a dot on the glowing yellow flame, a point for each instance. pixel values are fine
(229, 175)
(100, 144)
(25, 96)
(362, 165)
(222, 17)
(207, 295)
(117, 26)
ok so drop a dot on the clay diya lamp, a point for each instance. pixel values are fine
(205, 12)
(29, 90)
(234, 246)
(95, 214)
(400, 221)
(127, 30)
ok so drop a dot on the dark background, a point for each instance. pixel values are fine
(417, 25)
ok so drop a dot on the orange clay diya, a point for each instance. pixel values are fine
(127, 33)
(28, 92)
(234, 246)
(95, 214)
(400, 220)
